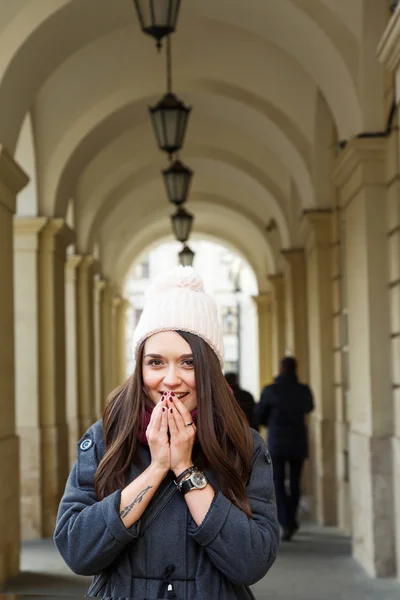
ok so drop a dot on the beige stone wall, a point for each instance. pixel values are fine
(12, 180)
(264, 311)
(340, 367)
(318, 230)
(360, 175)
(27, 343)
(393, 240)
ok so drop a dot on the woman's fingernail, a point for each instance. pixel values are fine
(163, 409)
(172, 394)
(170, 399)
(170, 410)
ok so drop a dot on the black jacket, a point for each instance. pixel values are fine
(246, 403)
(282, 408)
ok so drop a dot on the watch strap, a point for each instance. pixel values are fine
(186, 486)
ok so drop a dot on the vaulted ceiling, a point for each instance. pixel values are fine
(273, 84)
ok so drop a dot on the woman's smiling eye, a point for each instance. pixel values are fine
(188, 362)
(155, 362)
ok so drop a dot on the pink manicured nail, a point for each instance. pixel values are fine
(172, 393)
(170, 399)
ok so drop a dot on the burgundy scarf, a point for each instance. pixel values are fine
(146, 421)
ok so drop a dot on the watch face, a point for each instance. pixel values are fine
(199, 480)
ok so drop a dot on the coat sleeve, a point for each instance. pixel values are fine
(89, 534)
(263, 408)
(308, 400)
(243, 548)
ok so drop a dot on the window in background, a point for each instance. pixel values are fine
(229, 320)
(142, 270)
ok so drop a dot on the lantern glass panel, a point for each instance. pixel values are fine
(186, 257)
(177, 180)
(182, 222)
(157, 18)
(170, 118)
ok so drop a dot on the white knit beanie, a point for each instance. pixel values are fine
(176, 300)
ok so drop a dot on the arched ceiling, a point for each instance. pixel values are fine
(228, 226)
(255, 77)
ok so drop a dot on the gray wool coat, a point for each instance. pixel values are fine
(173, 557)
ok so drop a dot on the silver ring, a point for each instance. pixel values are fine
(187, 424)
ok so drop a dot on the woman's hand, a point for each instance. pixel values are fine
(157, 436)
(182, 437)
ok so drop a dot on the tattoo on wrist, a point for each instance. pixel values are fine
(124, 512)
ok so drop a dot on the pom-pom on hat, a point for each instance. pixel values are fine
(176, 300)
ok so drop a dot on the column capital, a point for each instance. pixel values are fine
(389, 47)
(316, 226)
(116, 301)
(99, 283)
(293, 255)
(55, 232)
(263, 301)
(276, 278)
(125, 305)
(361, 163)
(26, 232)
(73, 261)
(12, 179)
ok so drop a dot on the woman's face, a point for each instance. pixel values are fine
(168, 367)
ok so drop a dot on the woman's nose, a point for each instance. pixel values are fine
(171, 378)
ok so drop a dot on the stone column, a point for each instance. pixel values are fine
(72, 355)
(340, 372)
(360, 177)
(318, 225)
(26, 305)
(298, 290)
(264, 308)
(115, 339)
(106, 341)
(278, 319)
(121, 339)
(86, 366)
(389, 54)
(53, 240)
(98, 366)
(12, 180)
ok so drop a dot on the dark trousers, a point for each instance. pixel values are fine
(287, 501)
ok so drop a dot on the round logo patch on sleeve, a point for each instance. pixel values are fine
(86, 444)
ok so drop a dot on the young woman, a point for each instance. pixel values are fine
(171, 495)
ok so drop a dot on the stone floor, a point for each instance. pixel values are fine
(316, 565)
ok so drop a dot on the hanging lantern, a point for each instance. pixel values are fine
(157, 17)
(182, 222)
(186, 256)
(177, 179)
(169, 118)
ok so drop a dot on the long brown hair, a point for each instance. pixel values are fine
(222, 429)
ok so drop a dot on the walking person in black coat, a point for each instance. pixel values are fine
(243, 398)
(282, 409)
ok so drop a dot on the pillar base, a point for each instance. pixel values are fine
(342, 479)
(372, 503)
(9, 508)
(325, 472)
(396, 471)
(31, 488)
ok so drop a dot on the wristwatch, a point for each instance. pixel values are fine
(197, 480)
